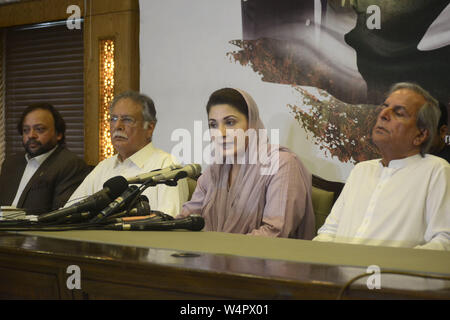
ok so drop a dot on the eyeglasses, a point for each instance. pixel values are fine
(128, 121)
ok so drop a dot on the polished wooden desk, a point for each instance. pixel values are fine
(207, 265)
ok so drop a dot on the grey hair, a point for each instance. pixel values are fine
(148, 107)
(428, 114)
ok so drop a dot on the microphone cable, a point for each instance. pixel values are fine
(36, 226)
(39, 226)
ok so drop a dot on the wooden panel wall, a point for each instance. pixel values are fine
(103, 19)
(118, 20)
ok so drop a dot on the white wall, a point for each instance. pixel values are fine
(183, 46)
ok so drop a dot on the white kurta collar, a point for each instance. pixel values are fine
(139, 158)
(401, 163)
(40, 158)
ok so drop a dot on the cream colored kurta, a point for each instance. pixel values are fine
(406, 204)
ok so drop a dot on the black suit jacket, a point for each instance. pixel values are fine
(444, 153)
(51, 185)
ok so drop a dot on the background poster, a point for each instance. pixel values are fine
(317, 69)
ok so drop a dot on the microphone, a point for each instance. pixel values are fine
(193, 222)
(118, 204)
(190, 170)
(141, 178)
(153, 216)
(142, 208)
(111, 189)
(76, 217)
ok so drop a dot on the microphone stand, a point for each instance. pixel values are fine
(150, 183)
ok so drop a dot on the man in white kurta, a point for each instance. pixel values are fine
(403, 199)
(372, 208)
(133, 119)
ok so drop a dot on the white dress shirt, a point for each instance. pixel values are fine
(32, 165)
(406, 204)
(162, 198)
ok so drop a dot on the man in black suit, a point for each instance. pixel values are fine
(43, 177)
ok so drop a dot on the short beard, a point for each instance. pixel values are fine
(43, 148)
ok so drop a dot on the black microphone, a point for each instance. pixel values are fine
(111, 189)
(118, 204)
(190, 170)
(193, 222)
(141, 178)
(141, 208)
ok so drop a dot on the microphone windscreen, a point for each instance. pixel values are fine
(116, 186)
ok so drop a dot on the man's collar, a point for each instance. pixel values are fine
(42, 157)
(140, 157)
(401, 163)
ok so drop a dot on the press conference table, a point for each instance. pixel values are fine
(208, 265)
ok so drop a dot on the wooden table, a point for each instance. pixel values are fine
(207, 265)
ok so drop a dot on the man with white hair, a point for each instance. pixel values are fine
(403, 199)
(133, 119)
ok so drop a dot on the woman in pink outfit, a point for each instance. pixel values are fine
(252, 187)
